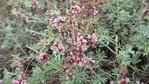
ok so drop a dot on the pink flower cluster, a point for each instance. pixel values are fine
(59, 46)
(75, 9)
(124, 81)
(36, 4)
(77, 58)
(84, 10)
(95, 12)
(77, 55)
(19, 80)
(146, 11)
(79, 42)
(92, 38)
(68, 73)
(57, 23)
(43, 57)
(18, 64)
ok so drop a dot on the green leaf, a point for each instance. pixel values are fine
(38, 76)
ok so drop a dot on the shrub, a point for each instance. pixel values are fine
(80, 42)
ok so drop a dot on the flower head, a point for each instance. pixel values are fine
(112, 82)
(138, 82)
(59, 46)
(43, 57)
(81, 40)
(72, 40)
(19, 80)
(18, 64)
(146, 11)
(92, 38)
(57, 23)
(16, 82)
(75, 9)
(95, 12)
(124, 81)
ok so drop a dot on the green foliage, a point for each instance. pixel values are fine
(37, 76)
(140, 39)
(7, 76)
